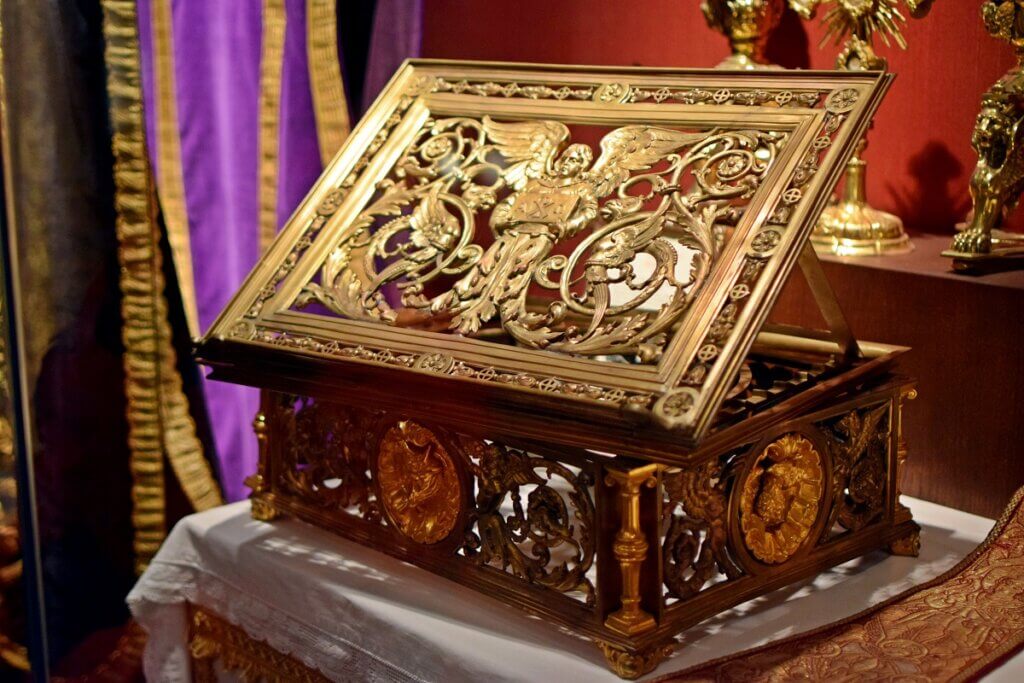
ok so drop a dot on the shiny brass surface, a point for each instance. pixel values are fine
(998, 178)
(418, 482)
(633, 665)
(630, 548)
(747, 24)
(509, 339)
(907, 546)
(781, 498)
(461, 199)
(851, 226)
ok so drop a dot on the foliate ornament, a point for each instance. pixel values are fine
(780, 498)
(632, 665)
(435, 362)
(549, 541)
(858, 443)
(419, 483)
(765, 242)
(612, 93)
(841, 101)
(694, 549)
(542, 191)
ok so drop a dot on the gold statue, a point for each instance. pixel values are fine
(747, 24)
(998, 177)
(852, 227)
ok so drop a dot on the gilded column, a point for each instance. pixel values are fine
(630, 548)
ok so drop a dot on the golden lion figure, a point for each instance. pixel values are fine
(998, 177)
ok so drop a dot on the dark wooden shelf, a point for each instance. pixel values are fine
(965, 433)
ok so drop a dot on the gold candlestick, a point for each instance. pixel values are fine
(851, 226)
(998, 178)
(747, 24)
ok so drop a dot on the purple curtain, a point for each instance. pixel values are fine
(217, 50)
(397, 35)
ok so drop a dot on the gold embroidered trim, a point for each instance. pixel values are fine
(329, 103)
(167, 151)
(157, 412)
(212, 640)
(271, 64)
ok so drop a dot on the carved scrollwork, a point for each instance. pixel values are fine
(858, 443)
(550, 540)
(530, 516)
(694, 549)
(326, 456)
(648, 184)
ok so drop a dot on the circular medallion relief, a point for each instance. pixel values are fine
(780, 498)
(418, 482)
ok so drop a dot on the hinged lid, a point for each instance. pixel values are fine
(598, 243)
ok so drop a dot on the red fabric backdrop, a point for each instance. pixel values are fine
(920, 151)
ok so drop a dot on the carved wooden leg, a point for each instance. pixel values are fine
(630, 548)
(632, 665)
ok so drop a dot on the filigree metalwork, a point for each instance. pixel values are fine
(858, 443)
(428, 225)
(695, 545)
(545, 192)
(531, 516)
(632, 665)
(419, 483)
(780, 498)
(854, 23)
(326, 458)
(549, 541)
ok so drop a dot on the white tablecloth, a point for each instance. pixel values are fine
(357, 615)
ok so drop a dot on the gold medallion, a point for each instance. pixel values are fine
(781, 498)
(419, 483)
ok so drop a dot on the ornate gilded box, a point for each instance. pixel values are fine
(516, 335)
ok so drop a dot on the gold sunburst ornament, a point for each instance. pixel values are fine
(851, 226)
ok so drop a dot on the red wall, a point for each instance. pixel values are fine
(920, 150)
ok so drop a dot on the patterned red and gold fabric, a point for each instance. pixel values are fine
(952, 628)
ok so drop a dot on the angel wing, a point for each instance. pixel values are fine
(529, 145)
(634, 148)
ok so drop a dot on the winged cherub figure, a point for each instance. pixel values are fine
(555, 196)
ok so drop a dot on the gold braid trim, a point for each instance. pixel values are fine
(212, 639)
(329, 103)
(158, 417)
(271, 63)
(167, 150)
